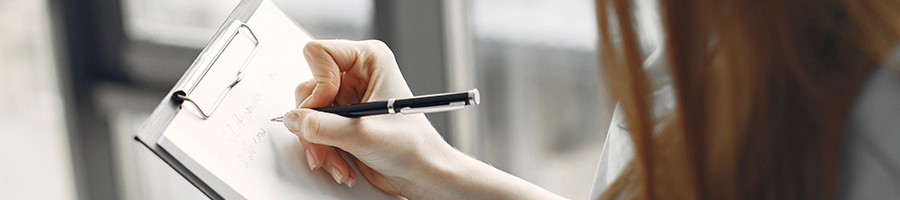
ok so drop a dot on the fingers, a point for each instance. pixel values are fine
(338, 168)
(302, 92)
(318, 131)
(315, 154)
(328, 158)
(325, 128)
(329, 58)
(321, 156)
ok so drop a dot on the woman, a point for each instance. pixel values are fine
(772, 99)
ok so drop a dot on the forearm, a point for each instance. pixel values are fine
(458, 176)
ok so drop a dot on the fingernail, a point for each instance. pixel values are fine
(291, 121)
(335, 173)
(310, 160)
(350, 182)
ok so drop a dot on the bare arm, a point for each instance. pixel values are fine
(400, 154)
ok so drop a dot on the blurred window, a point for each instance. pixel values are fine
(35, 158)
(192, 23)
(544, 113)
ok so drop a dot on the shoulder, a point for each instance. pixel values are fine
(870, 158)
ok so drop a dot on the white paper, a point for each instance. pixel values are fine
(237, 151)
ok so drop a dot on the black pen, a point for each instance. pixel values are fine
(419, 104)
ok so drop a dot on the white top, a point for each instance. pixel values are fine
(870, 158)
(618, 149)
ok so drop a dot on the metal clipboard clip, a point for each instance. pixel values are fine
(207, 60)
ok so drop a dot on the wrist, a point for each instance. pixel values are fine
(443, 172)
(456, 175)
(440, 176)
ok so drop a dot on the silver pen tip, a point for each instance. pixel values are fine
(277, 119)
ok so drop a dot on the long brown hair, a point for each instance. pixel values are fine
(763, 88)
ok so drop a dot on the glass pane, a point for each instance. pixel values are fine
(35, 158)
(192, 23)
(544, 115)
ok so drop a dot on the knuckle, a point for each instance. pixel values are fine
(308, 83)
(301, 90)
(312, 47)
(377, 53)
(376, 44)
(306, 86)
(378, 47)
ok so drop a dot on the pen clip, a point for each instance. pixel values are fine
(431, 109)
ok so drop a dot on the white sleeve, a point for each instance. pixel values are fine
(870, 157)
(618, 150)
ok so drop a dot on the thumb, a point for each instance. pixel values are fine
(324, 128)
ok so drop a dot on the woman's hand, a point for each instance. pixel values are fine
(391, 150)
(400, 154)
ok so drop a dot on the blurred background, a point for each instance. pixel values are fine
(80, 77)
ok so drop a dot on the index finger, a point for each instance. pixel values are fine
(327, 59)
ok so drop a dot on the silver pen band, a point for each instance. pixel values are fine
(390, 105)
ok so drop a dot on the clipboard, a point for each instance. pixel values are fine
(246, 73)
